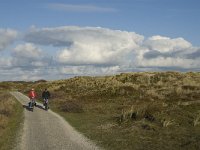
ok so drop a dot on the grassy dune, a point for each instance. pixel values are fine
(10, 118)
(135, 110)
(131, 110)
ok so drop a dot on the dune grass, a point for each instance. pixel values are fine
(130, 110)
(10, 119)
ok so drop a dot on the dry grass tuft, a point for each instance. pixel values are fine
(168, 122)
(197, 120)
(142, 111)
(6, 108)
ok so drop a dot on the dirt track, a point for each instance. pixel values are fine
(46, 130)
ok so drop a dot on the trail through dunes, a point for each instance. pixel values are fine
(46, 130)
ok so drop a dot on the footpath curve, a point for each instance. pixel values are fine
(46, 130)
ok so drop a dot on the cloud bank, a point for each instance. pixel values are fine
(60, 52)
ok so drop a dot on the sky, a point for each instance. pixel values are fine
(58, 39)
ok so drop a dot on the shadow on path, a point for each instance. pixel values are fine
(27, 108)
(40, 107)
(30, 109)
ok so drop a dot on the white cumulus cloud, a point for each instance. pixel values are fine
(27, 50)
(28, 56)
(166, 44)
(7, 36)
(165, 53)
(87, 45)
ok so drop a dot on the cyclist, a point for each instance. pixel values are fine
(46, 95)
(32, 96)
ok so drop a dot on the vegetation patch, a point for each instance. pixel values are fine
(10, 119)
(70, 106)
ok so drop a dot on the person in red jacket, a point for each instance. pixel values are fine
(32, 96)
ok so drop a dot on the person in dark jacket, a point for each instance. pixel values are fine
(46, 95)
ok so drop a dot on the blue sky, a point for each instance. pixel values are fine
(54, 39)
(173, 18)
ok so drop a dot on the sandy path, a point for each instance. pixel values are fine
(46, 130)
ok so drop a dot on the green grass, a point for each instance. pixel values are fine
(9, 129)
(138, 134)
(131, 110)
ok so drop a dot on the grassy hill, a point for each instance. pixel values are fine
(149, 110)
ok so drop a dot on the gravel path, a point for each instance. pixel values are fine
(46, 130)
